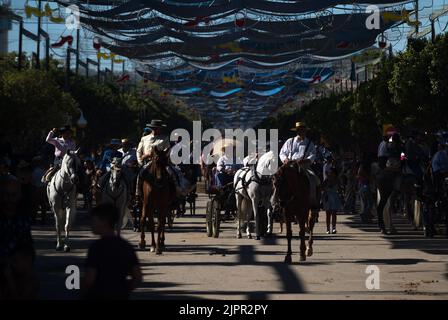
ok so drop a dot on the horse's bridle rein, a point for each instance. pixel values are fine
(63, 194)
(118, 196)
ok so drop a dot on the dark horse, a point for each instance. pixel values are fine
(390, 185)
(292, 194)
(157, 194)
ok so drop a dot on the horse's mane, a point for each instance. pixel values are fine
(265, 165)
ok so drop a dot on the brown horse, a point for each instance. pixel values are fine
(292, 195)
(157, 194)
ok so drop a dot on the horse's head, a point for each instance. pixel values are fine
(161, 158)
(288, 182)
(115, 172)
(71, 166)
(279, 194)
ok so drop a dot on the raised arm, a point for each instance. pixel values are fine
(52, 140)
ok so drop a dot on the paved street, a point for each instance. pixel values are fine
(195, 266)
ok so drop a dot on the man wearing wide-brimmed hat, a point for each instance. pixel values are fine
(62, 144)
(302, 150)
(299, 148)
(110, 153)
(156, 139)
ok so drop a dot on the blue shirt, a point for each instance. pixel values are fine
(108, 155)
(440, 161)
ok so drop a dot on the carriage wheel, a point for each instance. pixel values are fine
(215, 219)
(208, 219)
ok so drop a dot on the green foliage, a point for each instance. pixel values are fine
(31, 103)
(34, 101)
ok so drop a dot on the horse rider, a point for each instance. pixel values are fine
(129, 154)
(108, 154)
(302, 150)
(226, 167)
(62, 145)
(415, 155)
(145, 150)
(439, 164)
(113, 157)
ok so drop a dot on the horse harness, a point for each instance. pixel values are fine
(118, 196)
(261, 180)
(62, 194)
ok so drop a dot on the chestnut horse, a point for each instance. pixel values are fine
(157, 194)
(292, 194)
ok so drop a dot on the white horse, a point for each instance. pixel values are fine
(116, 192)
(61, 192)
(253, 188)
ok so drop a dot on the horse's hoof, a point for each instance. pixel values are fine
(302, 258)
(257, 238)
(238, 236)
(153, 249)
(288, 259)
(158, 251)
(66, 248)
(142, 245)
(309, 252)
(59, 248)
(249, 236)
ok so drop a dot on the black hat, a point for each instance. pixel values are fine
(156, 124)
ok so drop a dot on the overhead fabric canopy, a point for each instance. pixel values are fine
(236, 61)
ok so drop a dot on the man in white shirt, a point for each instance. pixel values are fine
(225, 168)
(302, 149)
(145, 150)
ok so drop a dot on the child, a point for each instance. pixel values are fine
(332, 200)
(110, 260)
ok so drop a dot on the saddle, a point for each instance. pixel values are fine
(46, 178)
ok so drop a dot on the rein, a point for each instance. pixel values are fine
(111, 196)
(62, 194)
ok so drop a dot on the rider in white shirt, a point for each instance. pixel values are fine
(302, 149)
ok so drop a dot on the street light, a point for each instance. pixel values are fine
(82, 122)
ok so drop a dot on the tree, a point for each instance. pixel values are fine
(32, 104)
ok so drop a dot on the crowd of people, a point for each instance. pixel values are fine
(343, 179)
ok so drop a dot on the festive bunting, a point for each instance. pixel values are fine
(60, 43)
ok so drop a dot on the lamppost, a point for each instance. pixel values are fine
(81, 123)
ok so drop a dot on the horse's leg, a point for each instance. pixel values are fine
(254, 202)
(270, 215)
(384, 196)
(388, 217)
(57, 218)
(247, 207)
(311, 222)
(70, 215)
(302, 221)
(143, 214)
(288, 258)
(151, 212)
(239, 215)
(161, 229)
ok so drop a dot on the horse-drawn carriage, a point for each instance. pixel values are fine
(222, 198)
